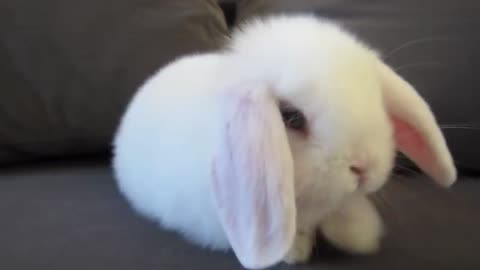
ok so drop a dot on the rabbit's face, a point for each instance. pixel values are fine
(329, 93)
(312, 117)
(339, 131)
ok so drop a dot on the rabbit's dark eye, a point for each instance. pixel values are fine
(293, 118)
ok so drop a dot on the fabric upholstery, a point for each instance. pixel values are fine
(70, 215)
(68, 68)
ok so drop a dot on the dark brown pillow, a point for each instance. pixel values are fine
(434, 44)
(69, 67)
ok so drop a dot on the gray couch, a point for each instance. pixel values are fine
(67, 69)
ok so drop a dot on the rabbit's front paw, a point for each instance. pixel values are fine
(301, 249)
(357, 228)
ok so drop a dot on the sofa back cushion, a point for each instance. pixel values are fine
(68, 68)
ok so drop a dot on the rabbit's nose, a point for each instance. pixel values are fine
(360, 171)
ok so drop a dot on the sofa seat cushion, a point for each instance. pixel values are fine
(70, 215)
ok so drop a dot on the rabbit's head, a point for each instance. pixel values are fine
(311, 117)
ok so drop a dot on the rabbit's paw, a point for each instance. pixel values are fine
(301, 249)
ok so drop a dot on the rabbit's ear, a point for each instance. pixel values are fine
(416, 132)
(253, 186)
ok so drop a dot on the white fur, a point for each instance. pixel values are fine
(253, 184)
(171, 132)
(356, 228)
(163, 149)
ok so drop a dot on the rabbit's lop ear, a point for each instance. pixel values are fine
(417, 134)
(253, 184)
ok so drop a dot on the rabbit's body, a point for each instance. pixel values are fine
(162, 182)
(284, 133)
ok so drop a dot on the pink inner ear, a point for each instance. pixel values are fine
(410, 142)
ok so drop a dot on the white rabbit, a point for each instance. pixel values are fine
(284, 132)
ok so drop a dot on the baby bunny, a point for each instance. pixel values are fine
(282, 134)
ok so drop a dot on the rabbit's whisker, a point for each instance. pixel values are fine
(412, 43)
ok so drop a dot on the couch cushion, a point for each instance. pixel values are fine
(70, 215)
(68, 67)
(433, 44)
